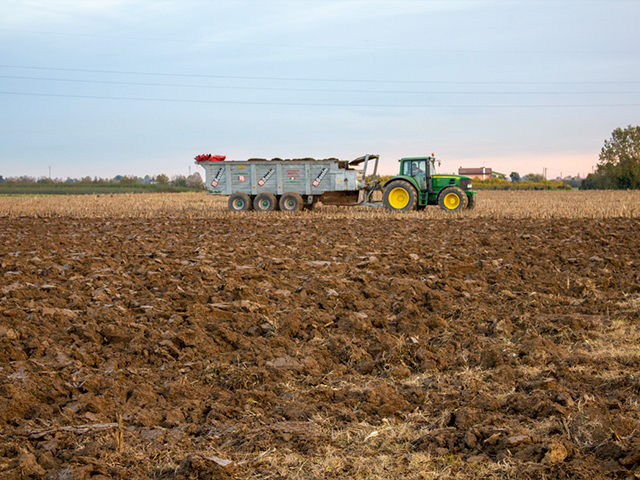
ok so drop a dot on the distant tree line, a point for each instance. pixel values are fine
(619, 162)
(573, 182)
(531, 181)
(87, 185)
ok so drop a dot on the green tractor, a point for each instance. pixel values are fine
(417, 186)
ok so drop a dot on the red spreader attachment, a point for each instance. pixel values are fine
(210, 158)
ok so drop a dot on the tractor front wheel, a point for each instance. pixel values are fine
(472, 202)
(400, 196)
(452, 199)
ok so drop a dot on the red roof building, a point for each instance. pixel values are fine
(481, 173)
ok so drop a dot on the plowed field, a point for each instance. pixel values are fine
(319, 346)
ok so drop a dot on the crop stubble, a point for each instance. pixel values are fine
(493, 204)
(155, 341)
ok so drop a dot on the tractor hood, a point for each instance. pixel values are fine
(462, 181)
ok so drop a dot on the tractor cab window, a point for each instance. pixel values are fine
(418, 170)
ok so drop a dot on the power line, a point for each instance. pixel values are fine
(319, 47)
(302, 79)
(106, 82)
(282, 89)
(304, 104)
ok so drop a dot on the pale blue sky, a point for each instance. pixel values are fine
(106, 87)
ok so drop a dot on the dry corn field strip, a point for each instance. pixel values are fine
(161, 336)
(508, 204)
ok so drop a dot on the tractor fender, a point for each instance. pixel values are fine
(405, 178)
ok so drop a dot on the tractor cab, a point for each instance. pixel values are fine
(418, 168)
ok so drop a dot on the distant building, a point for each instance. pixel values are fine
(481, 173)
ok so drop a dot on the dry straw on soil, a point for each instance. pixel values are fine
(493, 204)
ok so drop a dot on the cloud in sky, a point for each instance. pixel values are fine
(119, 87)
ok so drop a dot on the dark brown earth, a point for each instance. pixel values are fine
(200, 348)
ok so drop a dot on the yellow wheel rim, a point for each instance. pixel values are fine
(398, 198)
(451, 201)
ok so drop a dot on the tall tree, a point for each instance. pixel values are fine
(619, 162)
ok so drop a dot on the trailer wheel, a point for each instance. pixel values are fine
(265, 202)
(239, 202)
(471, 202)
(291, 202)
(400, 196)
(452, 199)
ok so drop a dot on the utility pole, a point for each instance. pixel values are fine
(49, 172)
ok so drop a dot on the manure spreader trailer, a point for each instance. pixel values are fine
(291, 185)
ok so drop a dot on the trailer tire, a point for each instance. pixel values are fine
(471, 202)
(400, 196)
(452, 199)
(239, 202)
(265, 202)
(291, 202)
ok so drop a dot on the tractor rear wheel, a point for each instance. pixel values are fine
(239, 202)
(452, 199)
(291, 202)
(400, 196)
(265, 202)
